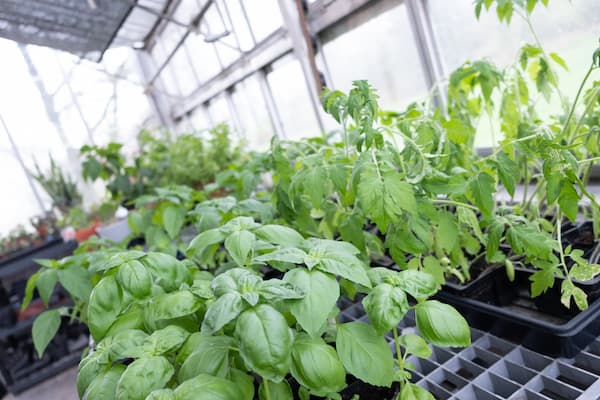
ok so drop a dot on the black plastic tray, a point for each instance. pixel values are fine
(521, 323)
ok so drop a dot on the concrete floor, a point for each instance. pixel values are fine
(61, 387)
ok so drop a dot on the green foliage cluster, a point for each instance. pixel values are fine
(188, 159)
(411, 184)
(61, 188)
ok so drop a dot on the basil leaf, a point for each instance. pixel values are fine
(45, 284)
(44, 329)
(365, 354)
(239, 245)
(414, 344)
(442, 325)
(222, 311)
(135, 278)
(173, 218)
(385, 305)
(106, 301)
(166, 340)
(210, 356)
(265, 342)
(206, 387)
(161, 394)
(280, 235)
(276, 390)
(103, 387)
(317, 366)
(142, 377)
(321, 294)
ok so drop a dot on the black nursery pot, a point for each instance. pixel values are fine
(490, 285)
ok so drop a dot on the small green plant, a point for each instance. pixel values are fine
(58, 185)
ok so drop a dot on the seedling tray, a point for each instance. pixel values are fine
(493, 368)
(521, 323)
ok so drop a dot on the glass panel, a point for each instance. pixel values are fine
(264, 16)
(242, 30)
(292, 99)
(203, 57)
(219, 111)
(381, 49)
(567, 28)
(253, 113)
(199, 119)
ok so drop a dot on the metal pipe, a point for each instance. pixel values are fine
(17, 154)
(195, 24)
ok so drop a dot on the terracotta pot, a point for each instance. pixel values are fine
(81, 235)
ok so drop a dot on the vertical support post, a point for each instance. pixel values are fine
(160, 106)
(271, 106)
(234, 115)
(17, 154)
(46, 97)
(427, 47)
(295, 21)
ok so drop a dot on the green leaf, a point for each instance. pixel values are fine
(239, 245)
(221, 312)
(161, 394)
(172, 305)
(508, 172)
(338, 258)
(287, 254)
(29, 289)
(89, 368)
(414, 344)
(44, 329)
(210, 356)
(447, 232)
(200, 247)
(106, 301)
(568, 290)
(127, 344)
(526, 239)
(166, 340)
(169, 272)
(280, 235)
(265, 342)
(276, 390)
(541, 281)
(495, 232)
(244, 382)
(206, 387)
(173, 218)
(457, 131)
(584, 272)
(135, 278)
(385, 305)
(316, 366)
(385, 195)
(45, 284)
(76, 279)
(365, 354)
(480, 192)
(275, 289)
(410, 391)
(568, 201)
(442, 325)
(142, 377)
(418, 284)
(321, 294)
(558, 59)
(104, 386)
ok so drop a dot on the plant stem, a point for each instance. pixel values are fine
(560, 247)
(490, 114)
(587, 160)
(579, 90)
(398, 352)
(455, 203)
(547, 59)
(267, 392)
(587, 109)
(526, 181)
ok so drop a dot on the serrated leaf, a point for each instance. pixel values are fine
(481, 190)
(447, 231)
(569, 290)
